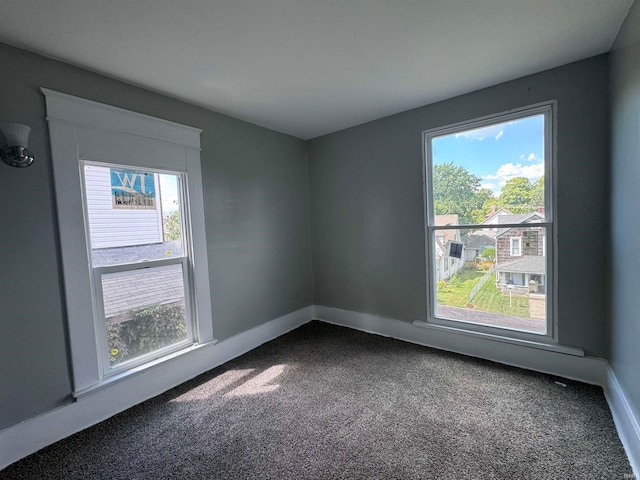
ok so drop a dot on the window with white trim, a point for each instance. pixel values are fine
(516, 243)
(133, 245)
(140, 263)
(488, 186)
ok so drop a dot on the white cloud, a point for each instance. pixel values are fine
(488, 185)
(493, 131)
(532, 157)
(508, 171)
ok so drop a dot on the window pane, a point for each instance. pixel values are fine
(491, 173)
(490, 284)
(133, 215)
(144, 311)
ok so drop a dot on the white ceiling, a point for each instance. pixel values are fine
(310, 67)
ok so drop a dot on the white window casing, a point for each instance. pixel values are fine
(86, 131)
(547, 110)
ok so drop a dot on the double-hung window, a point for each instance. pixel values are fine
(515, 246)
(140, 260)
(130, 212)
(488, 187)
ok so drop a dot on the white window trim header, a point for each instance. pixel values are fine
(87, 113)
(81, 129)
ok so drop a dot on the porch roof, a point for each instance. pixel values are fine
(527, 264)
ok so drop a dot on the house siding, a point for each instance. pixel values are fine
(503, 245)
(112, 227)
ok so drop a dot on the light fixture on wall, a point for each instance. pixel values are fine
(15, 152)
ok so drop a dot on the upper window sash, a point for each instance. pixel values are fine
(546, 109)
(184, 214)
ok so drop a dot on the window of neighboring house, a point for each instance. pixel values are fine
(133, 249)
(484, 178)
(516, 243)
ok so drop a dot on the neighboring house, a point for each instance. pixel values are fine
(496, 217)
(127, 198)
(520, 254)
(107, 207)
(446, 266)
(475, 244)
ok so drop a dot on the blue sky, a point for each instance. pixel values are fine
(169, 193)
(496, 153)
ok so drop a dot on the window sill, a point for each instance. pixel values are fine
(551, 347)
(139, 369)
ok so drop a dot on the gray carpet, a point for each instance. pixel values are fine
(330, 402)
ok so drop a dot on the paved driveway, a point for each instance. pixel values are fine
(493, 319)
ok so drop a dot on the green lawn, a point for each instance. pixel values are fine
(458, 296)
(488, 299)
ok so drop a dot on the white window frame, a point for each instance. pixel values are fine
(185, 260)
(547, 109)
(81, 131)
(511, 243)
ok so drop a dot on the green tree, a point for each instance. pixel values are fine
(485, 199)
(149, 329)
(537, 193)
(516, 195)
(457, 191)
(489, 254)
(171, 226)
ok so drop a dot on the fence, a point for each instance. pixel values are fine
(476, 288)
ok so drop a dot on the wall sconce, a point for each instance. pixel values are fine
(15, 152)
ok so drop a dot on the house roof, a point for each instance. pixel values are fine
(513, 218)
(501, 211)
(441, 220)
(440, 248)
(444, 220)
(523, 218)
(315, 67)
(128, 291)
(528, 264)
(479, 241)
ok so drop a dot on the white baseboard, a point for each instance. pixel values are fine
(627, 422)
(585, 369)
(30, 436)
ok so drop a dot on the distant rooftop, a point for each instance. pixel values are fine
(442, 220)
(126, 292)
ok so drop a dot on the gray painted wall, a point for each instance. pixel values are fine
(625, 198)
(367, 201)
(257, 223)
(365, 185)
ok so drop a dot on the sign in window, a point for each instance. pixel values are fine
(133, 189)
